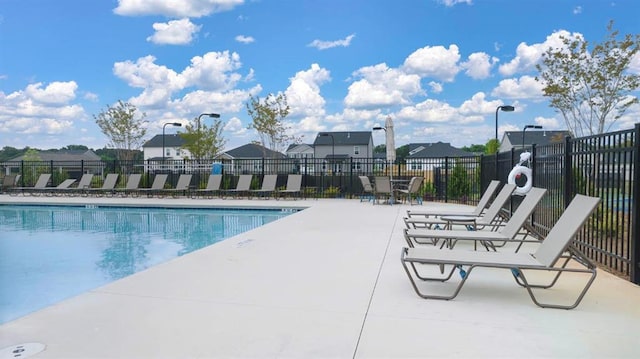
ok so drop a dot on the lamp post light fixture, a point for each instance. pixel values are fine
(537, 127)
(176, 124)
(506, 108)
(333, 146)
(212, 115)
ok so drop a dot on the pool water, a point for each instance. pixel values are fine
(50, 253)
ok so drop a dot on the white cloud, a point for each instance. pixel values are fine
(175, 32)
(303, 93)
(478, 105)
(634, 64)
(547, 123)
(436, 87)
(435, 62)
(245, 39)
(323, 45)
(40, 110)
(526, 87)
(479, 65)
(527, 56)
(382, 86)
(213, 71)
(450, 3)
(174, 8)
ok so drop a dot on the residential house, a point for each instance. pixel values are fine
(74, 162)
(427, 156)
(171, 144)
(524, 139)
(255, 159)
(344, 151)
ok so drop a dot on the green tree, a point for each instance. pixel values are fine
(590, 88)
(475, 148)
(202, 141)
(491, 147)
(125, 128)
(268, 120)
(459, 185)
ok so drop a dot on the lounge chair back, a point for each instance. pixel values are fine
(526, 207)
(183, 182)
(213, 184)
(159, 181)
(244, 183)
(414, 185)
(110, 181)
(269, 183)
(42, 180)
(85, 181)
(383, 185)
(565, 229)
(9, 181)
(486, 197)
(366, 184)
(66, 183)
(134, 181)
(294, 183)
(503, 196)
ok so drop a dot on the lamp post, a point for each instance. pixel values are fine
(212, 115)
(505, 108)
(333, 146)
(525, 128)
(177, 124)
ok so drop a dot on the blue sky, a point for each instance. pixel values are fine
(439, 68)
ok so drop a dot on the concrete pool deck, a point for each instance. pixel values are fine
(325, 282)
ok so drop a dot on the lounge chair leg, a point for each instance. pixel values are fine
(433, 296)
(560, 306)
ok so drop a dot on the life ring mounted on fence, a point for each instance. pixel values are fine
(517, 172)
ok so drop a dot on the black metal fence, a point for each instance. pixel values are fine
(606, 166)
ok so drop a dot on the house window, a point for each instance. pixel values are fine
(178, 152)
(167, 152)
(356, 150)
(356, 166)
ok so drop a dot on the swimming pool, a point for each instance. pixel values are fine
(50, 253)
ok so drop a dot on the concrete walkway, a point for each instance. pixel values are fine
(325, 282)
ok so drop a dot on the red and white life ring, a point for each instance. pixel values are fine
(516, 173)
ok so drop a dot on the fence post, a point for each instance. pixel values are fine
(634, 246)
(446, 179)
(568, 172)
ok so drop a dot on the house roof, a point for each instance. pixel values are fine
(64, 155)
(252, 150)
(539, 137)
(170, 140)
(298, 147)
(343, 138)
(438, 149)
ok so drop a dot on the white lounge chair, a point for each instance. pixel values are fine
(182, 186)
(242, 187)
(132, 186)
(212, 188)
(108, 186)
(268, 187)
(367, 189)
(508, 233)
(157, 187)
(556, 246)
(480, 207)
(41, 184)
(491, 217)
(294, 187)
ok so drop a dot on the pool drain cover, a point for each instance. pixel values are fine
(23, 350)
